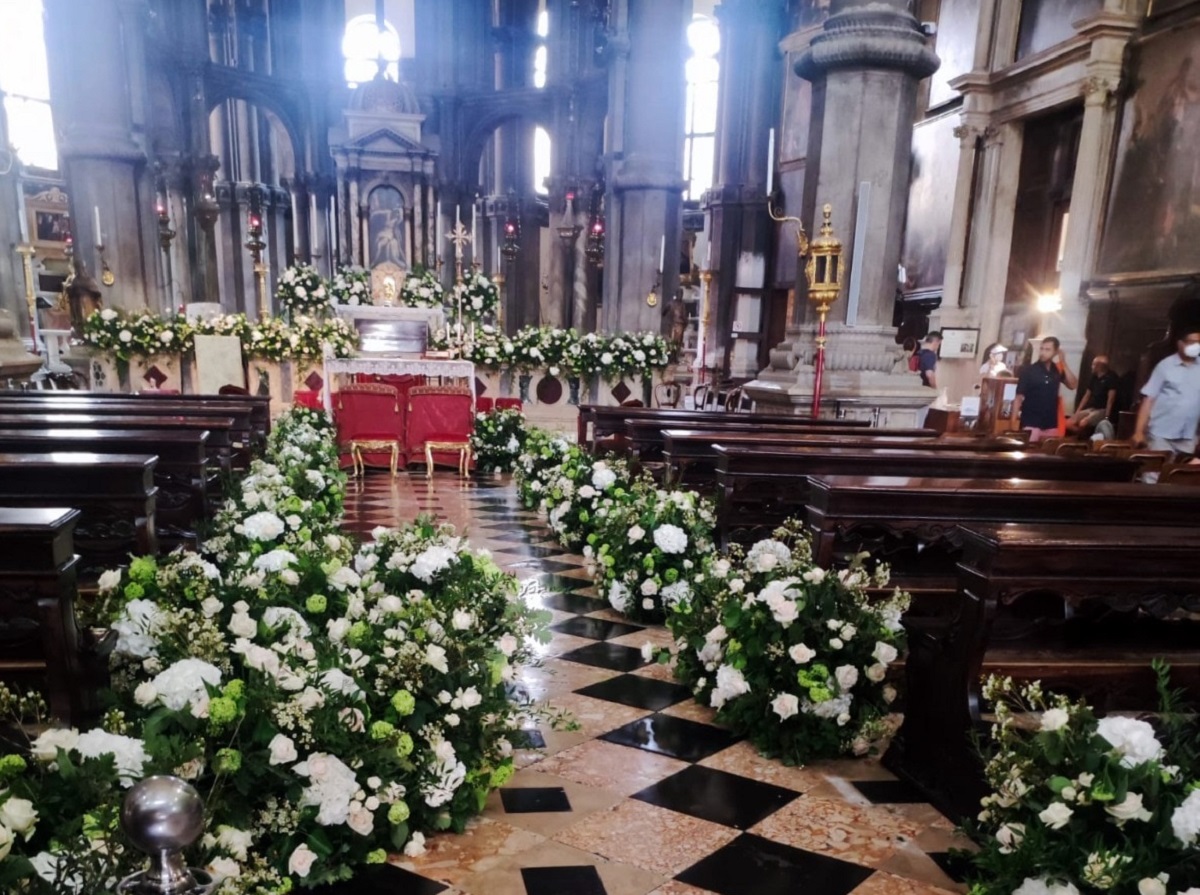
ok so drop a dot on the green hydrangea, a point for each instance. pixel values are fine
(398, 813)
(358, 632)
(11, 765)
(222, 710)
(316, 604)
(379, 856)
(228, 761)
(404, 746)
(235, 689)
(143, 569)
(404, 703)
(381, 730)
(134, 591)
(501, 775)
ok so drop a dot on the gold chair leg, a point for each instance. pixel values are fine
(395, 458)
(428, 462)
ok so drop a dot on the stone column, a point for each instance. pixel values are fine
(12, 212)
(740, 227)
(93, 96)
(645, 182)
(865, 66)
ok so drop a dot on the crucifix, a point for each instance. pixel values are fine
(460, 237)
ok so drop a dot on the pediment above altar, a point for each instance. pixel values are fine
(386, 141)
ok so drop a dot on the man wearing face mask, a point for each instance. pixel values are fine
(1170, 411)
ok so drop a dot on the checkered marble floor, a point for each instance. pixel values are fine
(650, 795)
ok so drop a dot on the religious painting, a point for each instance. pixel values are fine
(1045, 23)
(935, 152)
(957, 23)
(1153, 223)
(385, 229)
(48, 218)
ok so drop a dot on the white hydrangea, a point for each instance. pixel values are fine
(183, 684)
(618, 596)
(262, 526)
(431, 561)
(1132, 739)
(275, 561)
(731, 683)
(676, 593)
(1042, 886)
(766, 555)
(603, 477)
(129, 754)
(1185, 821)
(670, 538)
(138, 629)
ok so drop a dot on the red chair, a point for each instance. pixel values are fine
(370, 426)
(509, 404)
(307, 398)
(439, 426)
(484, 405)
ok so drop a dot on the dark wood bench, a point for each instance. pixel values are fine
(220, 429)
(40, 645)
(758, 488)
(244, 439)
(1138, 576)
(181, 473)
(605, 420)
(115, 494)
(690, 454)
(908, 520)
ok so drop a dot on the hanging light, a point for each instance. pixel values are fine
(511, 246)
(595, 241)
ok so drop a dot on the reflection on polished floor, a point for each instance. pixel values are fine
(649, 795)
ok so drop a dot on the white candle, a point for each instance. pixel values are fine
(474, 216)
(570, 206)
(708, 253)
(662, 254)
(96, 215)
(771, 162)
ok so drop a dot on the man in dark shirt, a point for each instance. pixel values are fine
(1036, 405)
(927, 359)
(1099, 399)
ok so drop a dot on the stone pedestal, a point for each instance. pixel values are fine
(16, 363)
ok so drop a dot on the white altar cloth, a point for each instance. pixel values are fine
(397, 366)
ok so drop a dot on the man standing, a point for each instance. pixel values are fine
(1170, 411)
(1036, 405)
(927, 359)
(1098, 400)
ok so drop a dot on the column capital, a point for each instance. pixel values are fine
(869, 36)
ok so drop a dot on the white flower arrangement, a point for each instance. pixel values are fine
(302, 291)
(351, 286)
(422, 289)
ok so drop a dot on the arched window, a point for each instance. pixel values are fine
(363, 44)
(541, 160)
(700, 128)
(25, 80)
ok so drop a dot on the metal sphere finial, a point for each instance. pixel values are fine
(162, 816)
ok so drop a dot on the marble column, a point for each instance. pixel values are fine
(645, 180)
(12, 212)
(865, 66)
(740, 228)
(93, 97)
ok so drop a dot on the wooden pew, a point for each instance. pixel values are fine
(1116, 568)
(40, 644)
(645, 438)
(605, 420)
(115, 494)
(243, 436)
(913, 523)
(758, 488)
(181, 473)
(219, 429)
(690, 454)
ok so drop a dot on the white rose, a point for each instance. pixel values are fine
(801, 654)
(1130, 809)
(1010, 836)
(415, 846)
(635, 534)
(435, 657)
(462, 621)
(785, 705)
(507, 644)
(360, 820)
(18, 815)
(876, 673)
(6, 842)
(301, 861)
(224, 868)
(109, 580)
(1055, 719)
(1151, 886)
(884, 653)
(283, 750)
(1056, 816)
(145, 693)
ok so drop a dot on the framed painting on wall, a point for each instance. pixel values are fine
(935, 152)
(957, 24)
(959, 343)
(1153, 226)
(48, 215)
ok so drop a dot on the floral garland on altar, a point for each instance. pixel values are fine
(1082, 804)
(125, 336)
(565, 351)
(301, 290)
(332, 702)
(350, 286)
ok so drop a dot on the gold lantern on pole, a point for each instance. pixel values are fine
(824, 274)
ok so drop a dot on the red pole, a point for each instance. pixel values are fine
(816, 405)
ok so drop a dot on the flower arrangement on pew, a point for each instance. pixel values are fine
(1081, 804)
(350, 286)
(497, 439)
(332, 703)
(791, 656)
(543, 453)
(301, 290)
(422, 289)
(582, 495)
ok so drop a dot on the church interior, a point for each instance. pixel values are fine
(599, 447)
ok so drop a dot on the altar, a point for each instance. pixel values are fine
(388, 330)
(446, 371)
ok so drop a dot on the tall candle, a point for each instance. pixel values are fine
(708, 253)
(570, 206)
(771, 162)
(474, 216)
(662, 254)
(96, 215)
